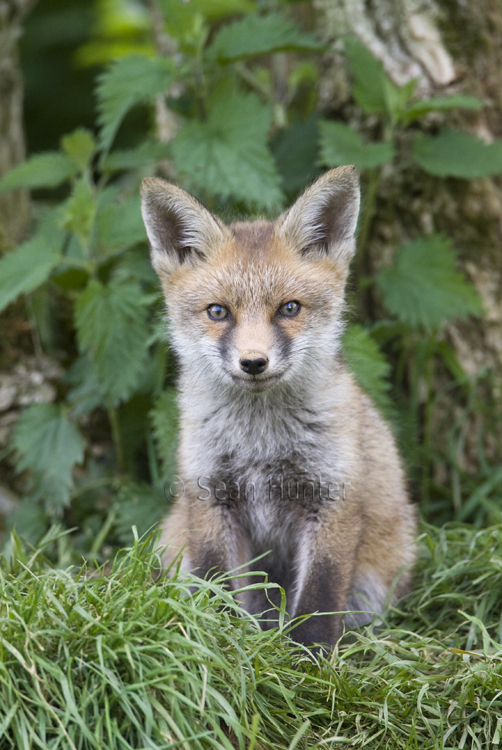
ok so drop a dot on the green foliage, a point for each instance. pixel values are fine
(423, 288)
(440, 104)
(79, 146)
(342, 145)
(118, 223)
(301, 140)
(140, 506)
(49, 445)
(260, 35)
(111, 322)
(40, 171)
(26, 268)
(79, 209)
(214, 10)
(242, 133)
(165, 418)
(129, 81)
(369, 77)
(369, 366)
(227, 154)
(146, 153)
(458, 154)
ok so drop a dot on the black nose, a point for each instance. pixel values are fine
(254, 366)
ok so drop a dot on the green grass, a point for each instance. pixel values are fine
(124, 661)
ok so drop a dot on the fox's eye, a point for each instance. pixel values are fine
(217, 312)
(290, 309)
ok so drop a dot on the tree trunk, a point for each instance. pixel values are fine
(14, 204)
(452, 47)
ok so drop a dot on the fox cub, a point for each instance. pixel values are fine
(280, 451)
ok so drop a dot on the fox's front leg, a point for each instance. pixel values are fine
(323, 577)
(216, 542)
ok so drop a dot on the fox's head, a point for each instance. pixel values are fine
(254, 304)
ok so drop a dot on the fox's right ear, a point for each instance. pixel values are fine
(179, 228)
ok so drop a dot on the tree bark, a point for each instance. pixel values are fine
(452, 47)
(14, 205)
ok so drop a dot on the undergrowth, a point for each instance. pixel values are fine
(232, 89)
(133, 659)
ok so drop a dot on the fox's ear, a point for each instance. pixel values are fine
(179, 228)
(323, 220)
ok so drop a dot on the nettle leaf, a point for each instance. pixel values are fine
(397, 97)
(30, 265)
(216, 9)
(369, 366)
(227, 155)
(40, 171)
(79, 146)
(369, 77)
(423, 287)
(148, 152)
(260, 35)
(79, 210)
(112, 329)
(127, 82)
(139, 505)
(49, 445)
(165, 420)
(119, 224)
(441, 104)
(86, 393)
(458, 154)
(343, 145)
(299, 139)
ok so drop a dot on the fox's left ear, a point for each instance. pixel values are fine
(323, 220)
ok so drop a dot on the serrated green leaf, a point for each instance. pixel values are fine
(139, 505)
(343, 145)
(215, 9)
(147, 153)
(79, 146)
(227, 155)
(49, 445)
(86, 393)
(397, 97)
(369, 366)
(119, 225)
(165, 420)
(112, 329)
(127, 82)
(24, 269)
(260, 35)
(29, 520)
(295, 153)
(440, 104)
(184, 21)
(40, 171)
(423, 287)
(369, 77)
(79, 210)
(458, 154)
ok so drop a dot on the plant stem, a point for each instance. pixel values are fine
(117, 437)
(367, 218)
(103, 533)
(427, 447)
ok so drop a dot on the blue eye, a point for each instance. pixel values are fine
(290, 309)
(217, 312)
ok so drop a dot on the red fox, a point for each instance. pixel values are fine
(280, 451)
